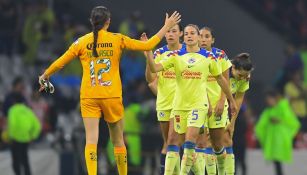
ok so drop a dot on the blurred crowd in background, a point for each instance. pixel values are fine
(34, 33)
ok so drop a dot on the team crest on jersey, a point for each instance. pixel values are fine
(191, 60)
(233, 85)
(161, 114)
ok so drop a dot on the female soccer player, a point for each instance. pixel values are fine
(192, 66)
(163, 86)
(101, 90)
(239, 84)
(217, 121)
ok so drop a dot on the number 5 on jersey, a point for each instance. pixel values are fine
(195, 114)
(105, 61)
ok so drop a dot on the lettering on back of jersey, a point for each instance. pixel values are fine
(99, 45)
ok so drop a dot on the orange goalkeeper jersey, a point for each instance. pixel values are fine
(100, 77)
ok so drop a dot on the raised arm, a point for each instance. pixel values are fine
(154, 67)
(133, 44)
(149, 76)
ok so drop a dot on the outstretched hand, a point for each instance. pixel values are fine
(144, 38)
(171, 21)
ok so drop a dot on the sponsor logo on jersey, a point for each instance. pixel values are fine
(187, 74)
(169, 74)
(98, 45)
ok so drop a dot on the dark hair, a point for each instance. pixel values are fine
(209, 29)
(99, 17)
(194, 26)
(242, 61)
(17, 81)
(18, 98)
(180, 27)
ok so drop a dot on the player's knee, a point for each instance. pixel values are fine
(118, 142)
(201, 144)
(92, 139)
(217, 145)
(227, 142)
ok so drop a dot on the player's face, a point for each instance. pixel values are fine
(240, 74)
(173, 35)
(206, 39)
(191, 36)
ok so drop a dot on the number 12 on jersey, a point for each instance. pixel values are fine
(105, 61)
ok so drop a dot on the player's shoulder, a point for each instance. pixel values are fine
(219, 53)
(81, 39)
(161, 51)
(206, 54)
(179, 52)
(119, 35)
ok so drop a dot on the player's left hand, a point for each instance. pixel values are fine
(219, 109)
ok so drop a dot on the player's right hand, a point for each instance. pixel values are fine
(45, 85)
(171, 21)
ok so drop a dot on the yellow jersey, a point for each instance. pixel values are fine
(101, 78)
(214, 89)
(192, 70)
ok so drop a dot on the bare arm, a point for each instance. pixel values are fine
(226, 89)
(154, 67)
(150, 77)
(219, 109)
(153, 86)
(133, 44)
(239, 97)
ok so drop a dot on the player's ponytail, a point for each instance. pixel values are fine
(243, 61)
(99, 16)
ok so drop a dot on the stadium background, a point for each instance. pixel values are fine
(35, 32)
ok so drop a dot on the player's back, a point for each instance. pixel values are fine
(101, 78)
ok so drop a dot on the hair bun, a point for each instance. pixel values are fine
(244, 55)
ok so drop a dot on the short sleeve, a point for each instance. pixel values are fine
(225, 64)
(170, 62)
(214, 67)
(244, 86)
